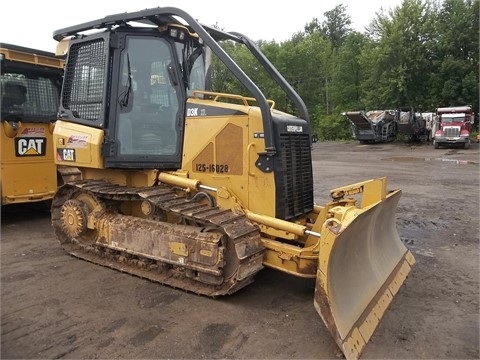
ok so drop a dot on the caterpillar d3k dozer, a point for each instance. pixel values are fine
(200, 190)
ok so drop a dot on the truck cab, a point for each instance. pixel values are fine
(453, 126)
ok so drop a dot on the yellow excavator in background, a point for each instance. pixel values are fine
(30, 82)
(200, 190)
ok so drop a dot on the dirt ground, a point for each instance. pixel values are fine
(56, 306)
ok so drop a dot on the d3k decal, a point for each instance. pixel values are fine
(30, 146)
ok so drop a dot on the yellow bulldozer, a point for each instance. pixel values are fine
(201, 190)
(30, 82)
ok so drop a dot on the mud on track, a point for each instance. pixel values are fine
(57, 306)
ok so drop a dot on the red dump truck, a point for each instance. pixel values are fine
(453, 126)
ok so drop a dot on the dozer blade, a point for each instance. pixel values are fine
(362, 264)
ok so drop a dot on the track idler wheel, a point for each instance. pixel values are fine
(73, 218)
(71, 211)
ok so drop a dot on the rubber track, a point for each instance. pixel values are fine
(236, 227)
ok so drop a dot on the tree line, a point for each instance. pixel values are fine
(422, 53)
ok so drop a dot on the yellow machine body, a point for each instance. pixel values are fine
(30, 94)
(28, 170)
(359, 260)
(237, 195)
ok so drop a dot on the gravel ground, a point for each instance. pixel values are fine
(57, 306)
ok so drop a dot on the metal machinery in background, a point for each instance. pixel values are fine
(30, 83)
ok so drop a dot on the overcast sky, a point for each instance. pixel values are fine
(31, 23)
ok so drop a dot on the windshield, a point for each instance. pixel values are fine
(453, 118)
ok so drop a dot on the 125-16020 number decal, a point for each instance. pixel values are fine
(217, 168)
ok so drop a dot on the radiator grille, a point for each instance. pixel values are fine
(296, 191)
(452, 131)
(84, 80)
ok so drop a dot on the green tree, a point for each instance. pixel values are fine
(399, 63)
(456, 78)
(348, 74)
(336, 26)
(423, 53)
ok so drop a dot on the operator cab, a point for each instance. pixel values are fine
(133, 83)
(29, 93)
